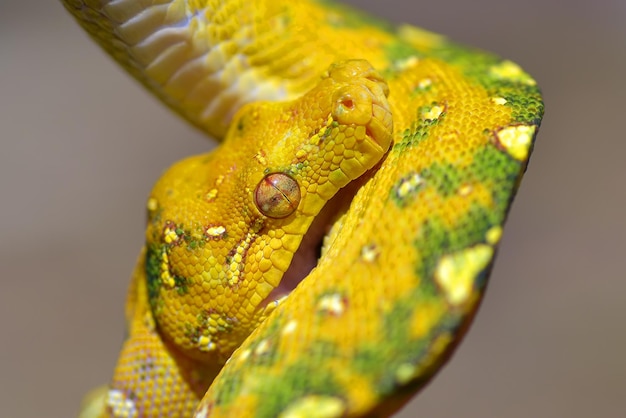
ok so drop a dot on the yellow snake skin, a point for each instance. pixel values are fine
(328, 257)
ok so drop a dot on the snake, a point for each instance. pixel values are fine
(326, 259)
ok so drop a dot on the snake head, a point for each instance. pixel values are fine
(332, 135)
(225, 226)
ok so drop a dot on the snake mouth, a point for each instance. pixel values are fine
(380, 127)
(306, 258)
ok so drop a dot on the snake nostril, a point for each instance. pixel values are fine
(348, 103)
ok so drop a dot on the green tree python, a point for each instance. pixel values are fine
(328, 256)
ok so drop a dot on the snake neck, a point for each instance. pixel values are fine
(207, 58)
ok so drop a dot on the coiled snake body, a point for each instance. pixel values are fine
(325, 260)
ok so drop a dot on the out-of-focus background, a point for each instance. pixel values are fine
(81, 144)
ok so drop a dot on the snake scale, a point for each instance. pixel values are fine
(328, 256)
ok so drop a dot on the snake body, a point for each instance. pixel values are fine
(326, 259)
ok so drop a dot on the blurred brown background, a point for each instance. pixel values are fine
(82, 144)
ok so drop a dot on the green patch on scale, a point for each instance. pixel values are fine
(181, 284)
(386, 361)
(193, 241)
(293, 383)
(420, 129)
(153, 274)
(524, 100)
(497, 171)
(229, 386)
(501, 78)
(446, 178)
(436, 238)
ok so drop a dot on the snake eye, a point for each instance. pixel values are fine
(277, 195)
